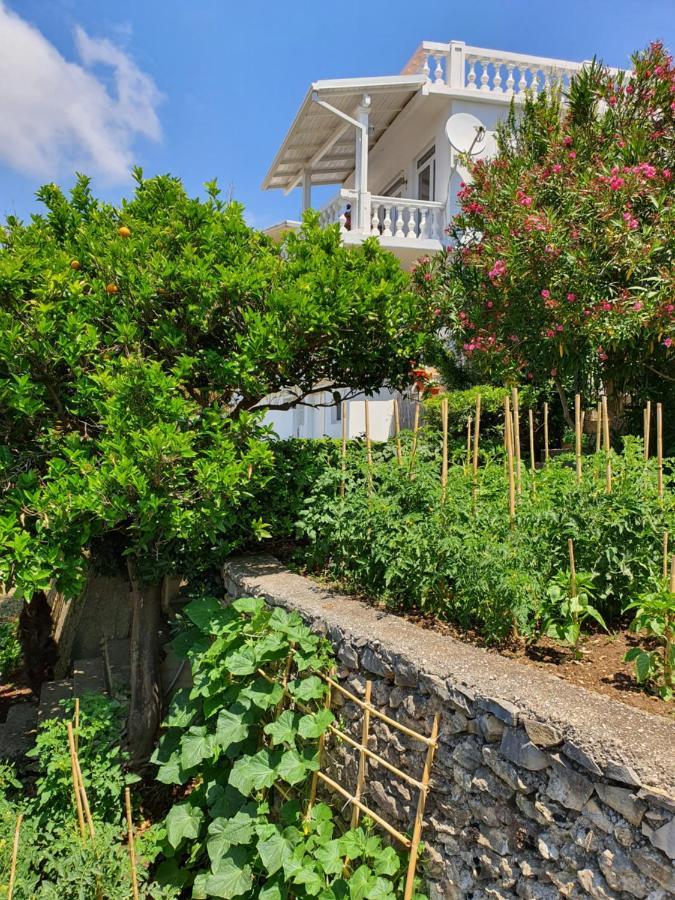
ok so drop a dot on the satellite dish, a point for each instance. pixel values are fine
(465, 132)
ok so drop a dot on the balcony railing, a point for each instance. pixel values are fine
(387, 217)
(493, 72)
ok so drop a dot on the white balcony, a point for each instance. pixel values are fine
(408, 227)
(495, 74)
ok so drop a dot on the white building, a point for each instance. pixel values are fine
(382, 141)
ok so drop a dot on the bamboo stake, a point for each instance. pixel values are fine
(665, 554)
(76, 783)
(573, 570)
(369, 453)
(476, 438)
(419, 817)
(672, 574)
(132, 848)
(444, 464)
(360, 781)
(77, 724)
(546, 454)
(397, 433)
(85, 800)
(468, 443)
(577, 434)
(320, 752)
(531, 422)
(648, 426)
(605, 428)
(15, 856)
(344, 449)
(515, 439)
(413, 450)
(598, 430)
(364, 809)
(659, 446)
(508, 426)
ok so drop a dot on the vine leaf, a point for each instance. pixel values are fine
(284, 729)
(183, 821)
(251, 773)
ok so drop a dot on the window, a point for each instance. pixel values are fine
(336, 413)
(426, 175)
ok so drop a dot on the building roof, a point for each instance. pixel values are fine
(323, 142)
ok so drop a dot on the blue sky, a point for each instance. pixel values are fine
(208, 88)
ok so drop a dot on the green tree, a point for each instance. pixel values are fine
(564, 245)
(137, 345)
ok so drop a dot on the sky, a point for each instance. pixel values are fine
(207, 89)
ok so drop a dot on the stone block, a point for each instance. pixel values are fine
(655, 866)
(373, 662)
(581, 756)
(541, 734)
(506, 712)
(491, 727)
(348, 656)
(663, 838)
(568, 787)
(504, 770)
(519, 749)
(594, 814)
(623, 801)
(595, 885)
(620, 874)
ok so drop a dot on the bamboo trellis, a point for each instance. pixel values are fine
(422, 784)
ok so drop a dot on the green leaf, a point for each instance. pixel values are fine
(284, 729)
(387, 862)
(643, 666)
(231, 728)
(250, 606)
(360, 883)
(181, 711)
(304, 689)
(241, 662)
(207, 613)
(262, 693)
(292, 767)
(183, 821)
(196, 746)
(252, 773)
(330, 857)
(275, 851)
(313, 726)
(230, 880)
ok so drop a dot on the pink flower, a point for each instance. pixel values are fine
(668, 342)
(489, 304)
(606, 305)
(571, 298)
(573, 154)
(557, 168)
(637, 306)
(667, 174)
(550, 333)
(427, 276)
(567, 140)
(559, 328)
(545, 293)
(615, 182)
(497, 270)
(554, 372)
(437, 312)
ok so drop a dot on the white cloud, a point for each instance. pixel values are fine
(58, 116)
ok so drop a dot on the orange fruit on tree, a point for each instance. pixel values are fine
(75, 264)
(124, 232)
(112, 288)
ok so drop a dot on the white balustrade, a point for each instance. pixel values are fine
(492, 71)
(388, 217)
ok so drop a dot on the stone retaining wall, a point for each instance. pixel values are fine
(540, 789)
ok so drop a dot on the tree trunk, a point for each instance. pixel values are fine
(565, 406)
(145, 707)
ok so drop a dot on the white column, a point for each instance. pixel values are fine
(361, 167)
(455, 65)
(306, 190)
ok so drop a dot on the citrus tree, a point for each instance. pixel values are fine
(139, 346)
(562, 264)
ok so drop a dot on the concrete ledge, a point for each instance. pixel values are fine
(601, 736)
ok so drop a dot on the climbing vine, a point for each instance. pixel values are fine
(244, 742)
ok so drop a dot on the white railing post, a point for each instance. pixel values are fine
(361, 169)
(455, 73)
